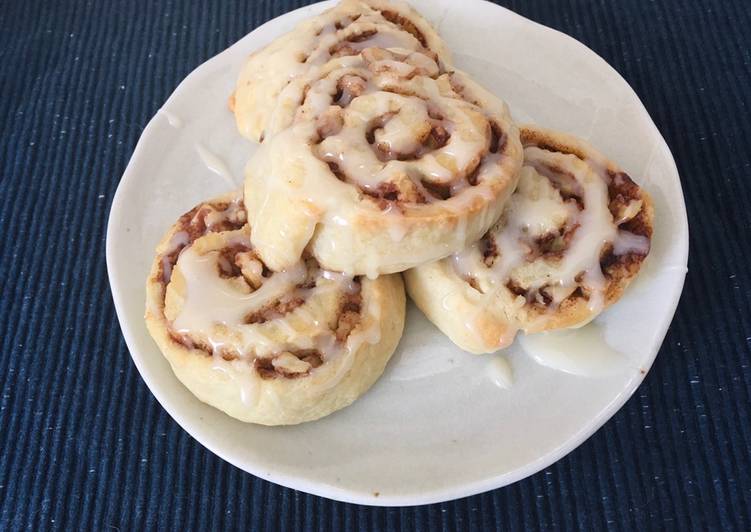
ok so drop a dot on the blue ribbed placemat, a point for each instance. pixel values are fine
(84, 445)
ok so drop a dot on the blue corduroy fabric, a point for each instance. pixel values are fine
(84, 445)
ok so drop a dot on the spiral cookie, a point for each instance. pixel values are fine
(571, 239)
(279, 69)
(265, 347)
(381, 172)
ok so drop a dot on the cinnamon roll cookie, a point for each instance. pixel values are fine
(273, 77)
(571, 239)
(382, 171)
(265, 347)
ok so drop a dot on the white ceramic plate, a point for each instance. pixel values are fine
(436, 426)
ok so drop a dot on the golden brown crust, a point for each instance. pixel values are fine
(345, 30)
(371, 192)
(285, 382)
(490, 315)
(619, 270)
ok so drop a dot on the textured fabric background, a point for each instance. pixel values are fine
(84, 445)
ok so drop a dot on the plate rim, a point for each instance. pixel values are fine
(354, 496)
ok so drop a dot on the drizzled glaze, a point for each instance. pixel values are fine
(499, 371)
(211, 300)
(274, 77)
(371, 149)
(581, 352)
(216, 165)
(282, 323)
(560, 239)
(403, 135)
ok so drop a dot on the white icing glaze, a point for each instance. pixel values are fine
(342, 280)
(582, 351)
(215, 309)
(389, 128)
(397, 226)
(499, 371)
(384, 38)
(387, 39)
(536, 210)
(216, 165)
(631, 210)
(367, 331)
(407, 124)
(178, 241)
(626, 242)
(596, 228)
(351, 27)
(211, 300)
(247, 380)
(232, 213)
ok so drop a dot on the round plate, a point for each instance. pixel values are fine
(437, 425)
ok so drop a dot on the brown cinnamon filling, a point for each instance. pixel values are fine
(283, 306)
(564, 182)
(328, 123)
(340, 24)
(619, 266)
(230, 265)
(386, 196)
(196, 344)
(266, 369)
(227, 262)
(436, 137)
(376, 124)
(194, 224)
(275, 310)
(534, 297)
(438, 190)
(388, 191)
(489, 250)
(263, 365)
(348, 88)
(338, 173)
(343, 23)
(540, 298)
(345, 48)
(194, 221)
(405, 24)
(459, 89)
(621, 191)
(362, 36)
(553, 245)
(497, 139)
(349, 312)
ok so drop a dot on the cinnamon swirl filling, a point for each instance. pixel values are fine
(213, 285)
(570, 239)
(276, 75)
(575, 229)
